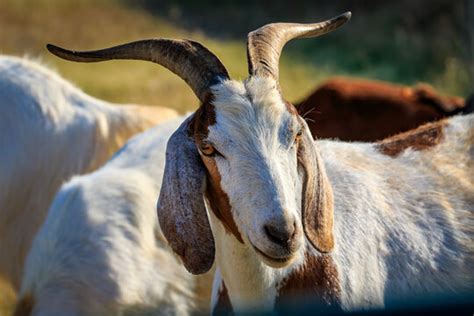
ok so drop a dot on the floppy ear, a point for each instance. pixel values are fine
(317, 208)
(181, 209)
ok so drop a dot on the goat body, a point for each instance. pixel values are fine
(367, 110)
(100, 250)
(49, 131)
(403, 225)
(391, 219)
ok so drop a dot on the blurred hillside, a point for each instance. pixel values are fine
(401, 41)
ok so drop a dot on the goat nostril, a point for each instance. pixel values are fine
(281, 236)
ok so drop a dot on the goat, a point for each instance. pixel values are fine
(100, 250)
(368, 110)
(350, 224)
(49, 131)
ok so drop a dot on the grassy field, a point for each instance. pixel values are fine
(27, 25)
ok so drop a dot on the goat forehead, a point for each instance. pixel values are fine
(250, 112)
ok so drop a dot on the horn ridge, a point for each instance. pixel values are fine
(190, 60)
(265, 44)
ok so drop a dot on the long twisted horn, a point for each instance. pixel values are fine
(264, 45)
(191, 61)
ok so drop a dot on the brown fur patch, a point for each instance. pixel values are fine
(316, 278)
(204, 117)
(219, 200)
(424, 137)
(24, 307)
(223, 305)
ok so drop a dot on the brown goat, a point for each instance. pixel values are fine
(367, 110)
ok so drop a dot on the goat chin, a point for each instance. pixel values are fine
(274, 262)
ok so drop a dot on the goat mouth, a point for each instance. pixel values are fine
(272, 261)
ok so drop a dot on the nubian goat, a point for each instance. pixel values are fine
(49, 131)
(100, 250)
(367, 110)
(349, 224)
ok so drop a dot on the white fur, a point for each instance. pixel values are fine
(100, 250)
(403, 225)
(49, 131)
(259, 161)
(254, 138)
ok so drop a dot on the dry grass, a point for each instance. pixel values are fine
(26, 27)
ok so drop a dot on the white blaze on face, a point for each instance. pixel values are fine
(255, 133)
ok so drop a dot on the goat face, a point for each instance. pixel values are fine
(253, 157)
(250, 155)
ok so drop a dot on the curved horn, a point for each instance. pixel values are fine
(191, 61)
(264, 45)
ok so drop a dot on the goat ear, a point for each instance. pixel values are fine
(181, 209)
(317, 200)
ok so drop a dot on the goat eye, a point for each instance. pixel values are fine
(207, 149)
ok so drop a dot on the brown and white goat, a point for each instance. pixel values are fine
(349, 224)
(367, 110)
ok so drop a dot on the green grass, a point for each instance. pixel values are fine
(26, 27)
(400, 41)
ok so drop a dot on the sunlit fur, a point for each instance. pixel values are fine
(253, 138)
(403, 225)
(101, 251)
(49, 131)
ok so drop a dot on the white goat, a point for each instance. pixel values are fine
(349, 224)
(100, 250)
(49, 131)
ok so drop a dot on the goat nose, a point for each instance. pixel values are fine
(280, 234)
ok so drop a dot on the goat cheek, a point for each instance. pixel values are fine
(219, 200)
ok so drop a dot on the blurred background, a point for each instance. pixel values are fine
(399, 41)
